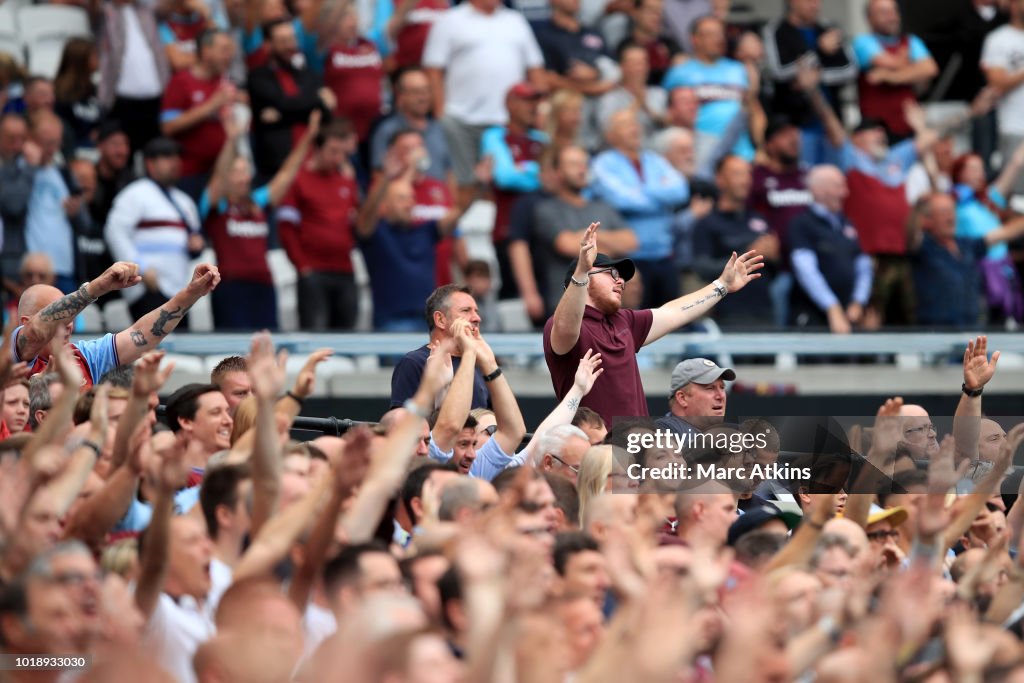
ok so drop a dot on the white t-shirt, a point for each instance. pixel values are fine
(318, 624)
(1004, 48)
(139, 77)
(483, 55)
(175, 632)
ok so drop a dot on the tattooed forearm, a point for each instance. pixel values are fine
(138, 338)
(698, 302)
(66, 307)
(166, 316)
(572, 403)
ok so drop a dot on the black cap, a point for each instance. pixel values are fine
(161, 147)
(776, 125)
(107, 128)
(625, 267)
(755, 518)
(870, 123)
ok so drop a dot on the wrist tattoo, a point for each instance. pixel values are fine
(138, 338)
(702, 300)
(166, 316)
(573, 403)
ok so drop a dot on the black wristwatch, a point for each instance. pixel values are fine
(973, 393)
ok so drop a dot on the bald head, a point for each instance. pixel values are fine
(35, 299)
(828, 187)
(913, 410)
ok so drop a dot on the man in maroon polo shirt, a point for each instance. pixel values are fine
(590, 316)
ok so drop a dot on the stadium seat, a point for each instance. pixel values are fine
(187, 369)
(10, 42)
(44, 29)
(116, 316)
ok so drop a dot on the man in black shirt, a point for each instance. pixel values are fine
(731, 227)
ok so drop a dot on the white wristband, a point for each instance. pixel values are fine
(720, 288)
(415, 409)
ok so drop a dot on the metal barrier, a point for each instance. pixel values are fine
(939, 344)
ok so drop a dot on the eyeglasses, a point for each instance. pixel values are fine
(916, 431)
(883, 536)
(575, 469)
(76, 579)
(614, 272)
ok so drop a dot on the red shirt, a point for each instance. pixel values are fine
(618, 392)
(354, 73)
(412, 37)
(40, 365)
(884, 100)
(433, 200)
(523, 148)
(316, 221)
(879, 212)
(238, 234)
(201, 143)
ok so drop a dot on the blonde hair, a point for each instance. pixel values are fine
(595, 468)
(477, 413)
(245, 418)
(121, 558)
(560, 100)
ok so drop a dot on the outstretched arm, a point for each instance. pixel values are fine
(568, 317)
(739, 271)
(155, 558)
(587, 373)
(978, 370)
(147, 333)
(283, 179)
(39, 329)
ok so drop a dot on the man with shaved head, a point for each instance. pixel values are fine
(47, 316)
(832, 273)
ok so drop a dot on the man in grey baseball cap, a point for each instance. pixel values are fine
(697, 396)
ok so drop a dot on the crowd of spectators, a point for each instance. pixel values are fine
(697, 135)
(446, 543)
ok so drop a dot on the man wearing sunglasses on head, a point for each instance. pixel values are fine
(590, 316)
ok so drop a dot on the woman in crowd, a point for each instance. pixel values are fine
(78, 104)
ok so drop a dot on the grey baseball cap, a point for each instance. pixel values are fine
(699, 370)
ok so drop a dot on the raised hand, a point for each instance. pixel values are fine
(462, 333)
(588, 371)
(148, 377)
(978, 368)
(266, 371)
(437, 372)
(98, 415)
(67, 368)
(306, 381)
(588, 251)
(741, 270)
(313, 126)
(353, 462)
(205, 279)
(173, 472)
(943, 474)
(118, 276)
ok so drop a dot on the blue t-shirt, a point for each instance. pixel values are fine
(100, 355)
(720, 88)
(400, 260)
(867, 46)
(974, 219)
